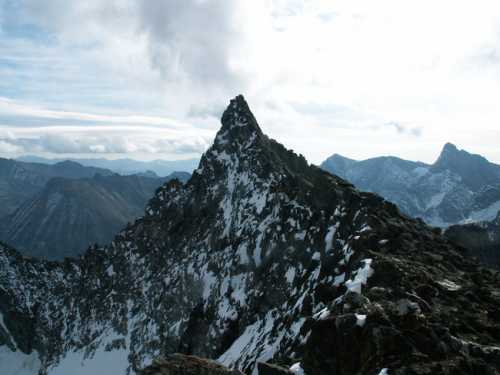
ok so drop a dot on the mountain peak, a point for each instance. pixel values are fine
(449, 147)
(238, 122)
(474, 170)
(449, 154)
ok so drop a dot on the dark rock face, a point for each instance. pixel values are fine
(260, 257)
(179, 364)
(481, 240)
(69, 215)
(458, 187)
(408, 330)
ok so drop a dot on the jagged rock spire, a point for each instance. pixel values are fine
(238, 123)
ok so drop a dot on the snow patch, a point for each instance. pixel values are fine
(339, 279)
(329, 237)
(361, 278)
(19, 363)
(322, 315)
(290, 275)
(100, 363)
(297, 369)
(449, 285)
(110, 271)
(360, 320)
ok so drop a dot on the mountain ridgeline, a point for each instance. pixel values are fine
(69, 215)
(162, 168)
(258, 257)
(458, 188)
(19, 181)
(58, 210)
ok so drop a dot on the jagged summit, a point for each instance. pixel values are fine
(238, 113)
(474, 170)
(238, 123)
(241, 149)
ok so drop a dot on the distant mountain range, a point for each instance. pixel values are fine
(127, 166)
(20, 180)
(56, 211)
(458, 188)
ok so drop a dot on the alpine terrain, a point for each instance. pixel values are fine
(68, 215)
(262, 263)
(458, 188)
(19, 181)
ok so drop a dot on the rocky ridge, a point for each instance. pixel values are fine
(259, 257)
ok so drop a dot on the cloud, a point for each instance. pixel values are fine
(322, 76)
(181, 51)
(192, 40)
(405, 129)
(55, 144)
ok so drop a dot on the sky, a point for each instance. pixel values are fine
(150, 79)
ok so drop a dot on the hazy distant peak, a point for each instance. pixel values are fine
(449, 153)
(449, 147)
(474, 170)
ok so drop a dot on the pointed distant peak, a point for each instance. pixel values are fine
(449, 147)
(474, 170)
(449, 153)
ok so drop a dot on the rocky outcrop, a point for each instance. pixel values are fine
(179, 364)
(417, 324)
(270, 369)
(259, 257)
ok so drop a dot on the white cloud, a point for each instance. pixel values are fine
(360, 78)
(148, 145)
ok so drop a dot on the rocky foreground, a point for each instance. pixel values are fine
(265, 264)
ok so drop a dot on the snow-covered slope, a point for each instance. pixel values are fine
(458, 188)
(258, 257)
